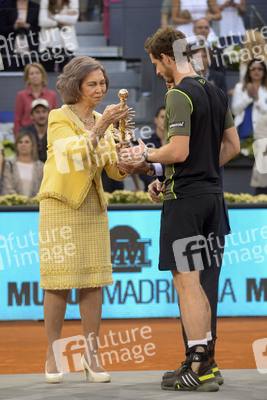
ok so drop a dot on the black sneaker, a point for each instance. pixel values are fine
(217, 373)
(188, 380)
(214, 367)
(171, 374)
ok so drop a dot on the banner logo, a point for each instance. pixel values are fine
(129, 253)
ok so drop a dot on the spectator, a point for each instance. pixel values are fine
(166, 13)
(19, 25)
(39, 113)
(156, 140)
(185, 13)
(57, 20)
(249, 101)
(258, 178)
(231, 28)
(204, 56)
(35, 79)
(24, 174)
(254, 47)
(202, 36)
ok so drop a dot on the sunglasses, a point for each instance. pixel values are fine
(256, 68)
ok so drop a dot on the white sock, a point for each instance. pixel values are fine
(208, 336)
(192, 343)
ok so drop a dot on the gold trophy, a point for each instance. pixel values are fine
(124, 134)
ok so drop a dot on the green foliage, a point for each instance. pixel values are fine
(246, 147)
(7, 148)
(245, 198)
(18, 200)
(232, 56)
(128, 197)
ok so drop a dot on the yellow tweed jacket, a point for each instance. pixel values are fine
(72, 162)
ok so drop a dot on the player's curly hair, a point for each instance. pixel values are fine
(162, 42)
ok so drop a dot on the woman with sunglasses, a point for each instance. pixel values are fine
(249, 101)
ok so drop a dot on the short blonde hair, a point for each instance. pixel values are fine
(69, 82)
(41, 69)
(20, 135)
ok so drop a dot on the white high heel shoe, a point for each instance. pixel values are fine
(53, 377)
(95, 376)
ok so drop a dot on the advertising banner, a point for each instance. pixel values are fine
(139, 289)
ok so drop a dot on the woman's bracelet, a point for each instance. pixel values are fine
(97, 132)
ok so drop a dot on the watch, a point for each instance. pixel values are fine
(151, 171)
(144, 155)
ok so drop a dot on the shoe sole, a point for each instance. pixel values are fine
(206, 387)
(219, 380)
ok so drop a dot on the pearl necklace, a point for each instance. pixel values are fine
(84, 120)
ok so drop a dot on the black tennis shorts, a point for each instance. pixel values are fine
(189, 233)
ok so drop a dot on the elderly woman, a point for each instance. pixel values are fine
(24, 174)
(73, 211)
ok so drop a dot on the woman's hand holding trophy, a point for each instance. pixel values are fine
(124, 134)
(129, 158)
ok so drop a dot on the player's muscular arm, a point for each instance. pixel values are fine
(174, 152)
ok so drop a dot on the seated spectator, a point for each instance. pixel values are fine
(58, 36)
(166, 13)
(156, 140)
(202, 36)
(231, 29)
(185, 13)
(254, 47)
(259, 178)
(35, 79)
(39, 113)
(24, 174)
(249, 101)
(203, 56)
(19, 24)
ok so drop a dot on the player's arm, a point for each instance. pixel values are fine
(178, 113)
(174, 152)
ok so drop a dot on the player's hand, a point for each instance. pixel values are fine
(134, 154)
(133, 167)
(154, 189)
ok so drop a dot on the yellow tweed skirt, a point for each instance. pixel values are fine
(74, 245)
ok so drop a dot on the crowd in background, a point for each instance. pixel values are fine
(207, 24)
(44, 32)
